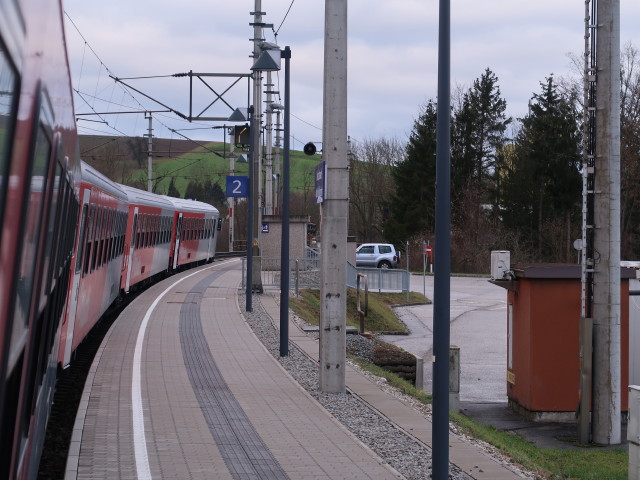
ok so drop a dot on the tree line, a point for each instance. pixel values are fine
(516, 184)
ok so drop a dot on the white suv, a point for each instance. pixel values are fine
(377, 255)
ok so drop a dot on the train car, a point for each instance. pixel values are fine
(148, 237)
(97, 264)
(195, 227)
(71, 240)
(38, 211)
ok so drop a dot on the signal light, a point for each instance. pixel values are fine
(309, 149)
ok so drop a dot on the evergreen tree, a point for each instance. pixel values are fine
(194, 191)
(543, 183)
(173, 191)
(412, 208)
(478, 133)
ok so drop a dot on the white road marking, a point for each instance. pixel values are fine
(139, 437)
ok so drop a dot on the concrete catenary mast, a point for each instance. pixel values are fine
(601, 227)
(333, 289)
(256, 159)
(606, 415)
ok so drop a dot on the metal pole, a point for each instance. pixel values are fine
(276, 166)
(334, 210)
(408, 274)
(232, 200)
(256, 155)
(268, 175)
(285, 268)
(606, 296)
(249, 285)
(442, 286)
(150, 154)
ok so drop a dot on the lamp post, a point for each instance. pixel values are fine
(285, 268)
(269, 60)
(249, 291)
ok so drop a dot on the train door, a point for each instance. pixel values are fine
(134, 229)
(77, 275)
(178, 235)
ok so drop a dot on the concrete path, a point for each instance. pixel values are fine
(478, 327)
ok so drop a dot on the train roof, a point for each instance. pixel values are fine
(94, 177)
(191, 205)
(140, 197)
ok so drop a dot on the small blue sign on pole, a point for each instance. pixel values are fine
(265, 227)
(237, 186)
(320, 181)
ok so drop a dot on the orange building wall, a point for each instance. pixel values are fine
(545, 365)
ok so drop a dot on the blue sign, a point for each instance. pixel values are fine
(237, 186)
(265, 227)
(320, 182)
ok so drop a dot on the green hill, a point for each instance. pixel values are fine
(124, 160)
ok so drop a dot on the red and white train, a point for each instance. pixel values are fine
(72, 241)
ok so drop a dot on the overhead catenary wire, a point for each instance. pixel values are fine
(91, 100)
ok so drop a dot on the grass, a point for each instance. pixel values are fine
(585, 464)
(380, 317)
(201, 164)
(394, 380)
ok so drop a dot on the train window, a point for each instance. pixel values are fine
(113, 238)
(31, 234)
(60, 235)
(81, 240)
(116, 234)
(96, 238)
(140, 230)
(89, 240)
(155, 229)
(8, 95)
(147, 225)
(145, 230)
(135, 233)
(108, 236)
(53, 230)
(123, 229)
(144, 225)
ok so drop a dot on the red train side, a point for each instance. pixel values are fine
(72, 241)
(38, 208)
(97, 265)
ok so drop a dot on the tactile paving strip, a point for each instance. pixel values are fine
(244, 452)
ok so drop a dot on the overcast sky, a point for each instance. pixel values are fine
(392, 56)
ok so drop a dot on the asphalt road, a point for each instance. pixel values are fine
(478, 327)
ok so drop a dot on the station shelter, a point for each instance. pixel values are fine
(543, 322)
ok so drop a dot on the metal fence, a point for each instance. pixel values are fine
(305, 273)
(380, 279)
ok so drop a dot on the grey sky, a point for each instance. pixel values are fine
(392, 55)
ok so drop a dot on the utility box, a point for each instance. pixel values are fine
(543, 364)
(633, 432)
(500, 263)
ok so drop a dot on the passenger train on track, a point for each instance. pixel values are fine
(72, 241)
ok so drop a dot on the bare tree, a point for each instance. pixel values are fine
(371, 186)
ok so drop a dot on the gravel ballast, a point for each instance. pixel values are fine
(401, 451)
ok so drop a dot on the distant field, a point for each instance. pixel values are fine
(182, 160)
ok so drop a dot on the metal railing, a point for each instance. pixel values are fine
(305, 273)
(381, 279)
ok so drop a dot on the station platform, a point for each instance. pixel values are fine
(181, 388)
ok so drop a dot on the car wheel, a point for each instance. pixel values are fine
(384, 264)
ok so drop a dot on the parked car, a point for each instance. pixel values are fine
(377, 255)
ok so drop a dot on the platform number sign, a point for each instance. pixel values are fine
(237, 186)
